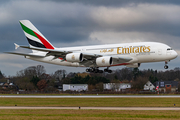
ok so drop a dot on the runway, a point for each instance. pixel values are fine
(89, 96)
(96, 108)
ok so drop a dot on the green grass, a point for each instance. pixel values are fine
(32, 114)
(90, 102)
(88, 115)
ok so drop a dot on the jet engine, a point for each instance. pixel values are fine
(74, 57)
(104, 61)
(134, 65)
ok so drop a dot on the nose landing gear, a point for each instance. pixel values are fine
(166, 66)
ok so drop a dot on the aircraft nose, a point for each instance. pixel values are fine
(174, 54)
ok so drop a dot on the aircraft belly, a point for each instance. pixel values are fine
(146, 57)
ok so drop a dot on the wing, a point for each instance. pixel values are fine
(89, 59)
(59, 53)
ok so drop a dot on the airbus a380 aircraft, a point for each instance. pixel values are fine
(93, 57)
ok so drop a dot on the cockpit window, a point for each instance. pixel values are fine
(169, 49)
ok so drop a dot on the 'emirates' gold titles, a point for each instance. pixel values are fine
(140, 49)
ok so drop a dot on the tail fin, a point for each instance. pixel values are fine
(34, 37)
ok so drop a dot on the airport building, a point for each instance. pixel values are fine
(75, 87)
(167, 86)
(116, 86)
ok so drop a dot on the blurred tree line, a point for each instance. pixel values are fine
(36, 78)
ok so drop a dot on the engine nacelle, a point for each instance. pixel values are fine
(134, 65)
(74, 57)
(104, 61)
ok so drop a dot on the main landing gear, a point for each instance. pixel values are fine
(107, 70)
(166, 66)
(96, 70)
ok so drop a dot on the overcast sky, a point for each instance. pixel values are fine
(67, 23)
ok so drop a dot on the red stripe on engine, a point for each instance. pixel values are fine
(45, 43)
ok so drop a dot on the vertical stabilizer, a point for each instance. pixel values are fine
(34, 37)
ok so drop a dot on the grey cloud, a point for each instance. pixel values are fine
(136, 16)
(117, 3)
(77, 21)
(67, 21)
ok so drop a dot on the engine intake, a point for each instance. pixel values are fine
(74, 57)
(104, 61)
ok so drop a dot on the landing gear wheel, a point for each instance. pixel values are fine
(105, 70)
(96, 70)
(109, 71)
(92, 69)
(165, 67)
(100, 71)
(87, 70)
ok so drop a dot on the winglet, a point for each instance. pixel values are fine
(16, 46)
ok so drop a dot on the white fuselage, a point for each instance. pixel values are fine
(140, 52)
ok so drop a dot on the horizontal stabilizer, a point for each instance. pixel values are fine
(24, 54)
(16, 46)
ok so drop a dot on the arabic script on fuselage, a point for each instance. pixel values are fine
(106, 50)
